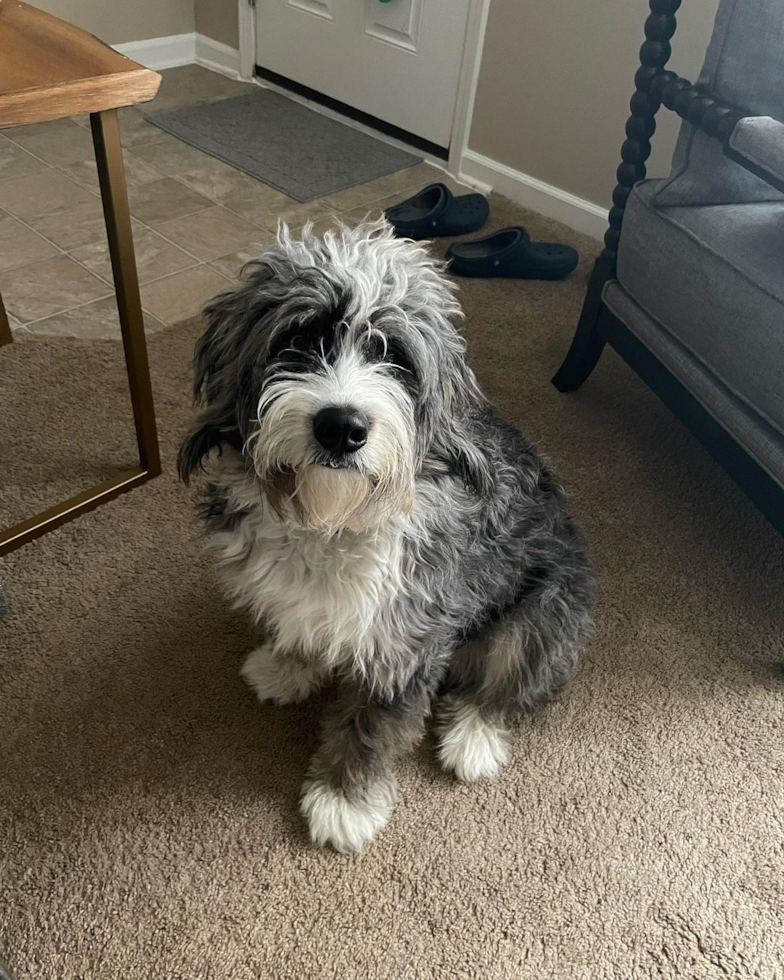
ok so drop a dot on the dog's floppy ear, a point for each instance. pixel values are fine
(453, 441)
(223, 363)
(454, 446)
(200, 442)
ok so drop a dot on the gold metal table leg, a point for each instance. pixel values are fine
(111, 173)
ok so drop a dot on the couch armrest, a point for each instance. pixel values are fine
(757, 143)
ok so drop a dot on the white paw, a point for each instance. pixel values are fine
(470, 746)
(346, 824)
(278, 679)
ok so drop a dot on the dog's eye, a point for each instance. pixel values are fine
(374, 347)
(396, 354)
(311, 338)
(285, 343)
(379, 348)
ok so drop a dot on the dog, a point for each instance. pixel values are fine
(371, 510)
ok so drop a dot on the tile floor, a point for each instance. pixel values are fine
(195, 219)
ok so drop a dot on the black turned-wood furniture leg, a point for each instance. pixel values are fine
(588, 343)
(641, 124)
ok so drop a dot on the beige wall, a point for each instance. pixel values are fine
(555, 82)
(118, 21)
(219, 19)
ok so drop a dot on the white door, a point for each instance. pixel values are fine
(398, 60)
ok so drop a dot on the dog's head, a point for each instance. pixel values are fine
(336, 368)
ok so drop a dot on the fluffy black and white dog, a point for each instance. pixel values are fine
(386, 527)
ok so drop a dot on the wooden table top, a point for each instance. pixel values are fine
(50, 69)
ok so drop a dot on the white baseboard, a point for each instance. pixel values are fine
(534, 194)
(161, 52)
(183, 49)
(218, 57)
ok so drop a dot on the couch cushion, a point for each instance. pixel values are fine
(713, 277)
(758, 438)
(744, 66)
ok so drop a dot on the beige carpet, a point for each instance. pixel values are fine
(148, 805)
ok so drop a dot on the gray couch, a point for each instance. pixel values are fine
(690, 286)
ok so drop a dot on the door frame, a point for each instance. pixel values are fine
(466, 85)
(247, 39)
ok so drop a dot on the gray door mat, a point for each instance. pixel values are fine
(284, 144)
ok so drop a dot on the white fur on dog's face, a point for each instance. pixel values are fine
(322, 492)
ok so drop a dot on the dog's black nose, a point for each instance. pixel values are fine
(341, 429)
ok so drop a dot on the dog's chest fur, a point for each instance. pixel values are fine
(328, 597)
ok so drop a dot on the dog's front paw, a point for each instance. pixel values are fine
(277, 679)
(347, 824)
(470, 746)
